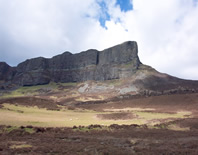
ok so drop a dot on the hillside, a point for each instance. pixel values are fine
(96, 102)
(119, 62)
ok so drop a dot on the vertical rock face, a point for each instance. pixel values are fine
(73, 61)
(6, 72)
(4, 68)
(119, 54)
(112, 63)
(32, 72)
(118, 62)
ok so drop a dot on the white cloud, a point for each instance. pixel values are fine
(166, 31)
(45, 27)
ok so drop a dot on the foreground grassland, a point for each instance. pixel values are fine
(17, 115)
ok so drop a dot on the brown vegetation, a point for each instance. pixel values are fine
(113, 139)
(116, 116)
(120, 140)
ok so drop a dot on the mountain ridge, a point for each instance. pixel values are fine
(68, 67)
(117, 62)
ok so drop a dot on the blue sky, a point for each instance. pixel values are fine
(166, 30)
(104, 16)
(125, 5)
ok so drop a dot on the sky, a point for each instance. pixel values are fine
(166, 31)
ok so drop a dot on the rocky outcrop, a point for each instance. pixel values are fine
(6, 72)
(4, 69)
(118, 62)
(112, 63)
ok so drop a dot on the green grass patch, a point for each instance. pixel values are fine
(68, 84)
(15, 93)
(30, 90)
(36, 90)
(9, 129)
(29, 130)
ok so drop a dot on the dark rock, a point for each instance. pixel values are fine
(116, 62)
(94, 126)
(75, 127)
(39, 129)
(22, 127)
(88, 65)
(6, 72)
(114, 126)
(2, 88)
(4, 68)
(29, 126)
(134, 126)
(120, 54)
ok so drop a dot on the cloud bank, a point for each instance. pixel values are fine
(166, 31)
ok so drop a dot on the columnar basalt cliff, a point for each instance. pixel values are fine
(112, 63)
(118, 62)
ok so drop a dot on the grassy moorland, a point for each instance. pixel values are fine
(30, 91)
(55, 105)
(39, 120)
(17, 115)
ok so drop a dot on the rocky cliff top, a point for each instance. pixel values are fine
(113, 63)
(119, 54)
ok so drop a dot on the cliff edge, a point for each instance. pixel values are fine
(113, 63)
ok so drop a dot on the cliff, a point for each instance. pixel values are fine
(113, 63)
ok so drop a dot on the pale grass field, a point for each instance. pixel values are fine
(85, 99)
(19, 145)
(21, 115)
(128, 109)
